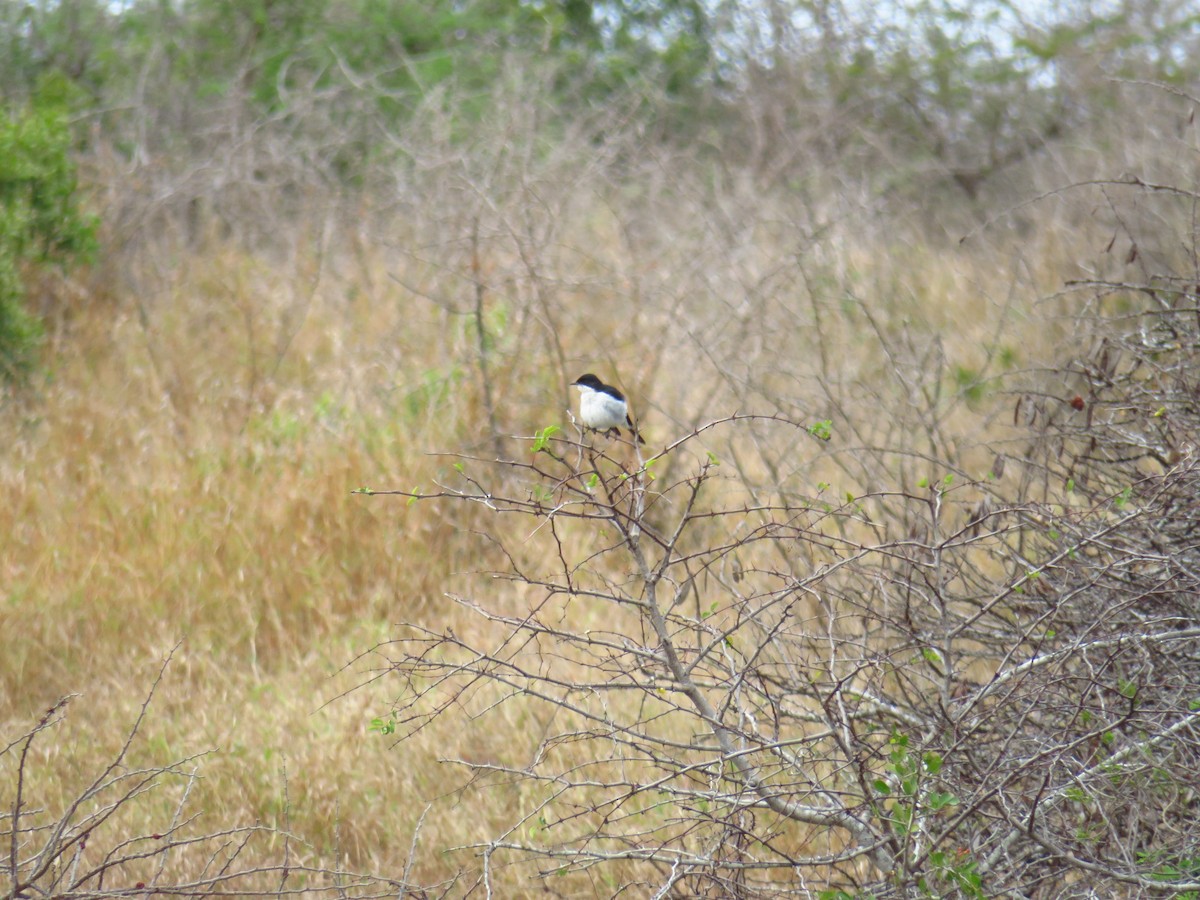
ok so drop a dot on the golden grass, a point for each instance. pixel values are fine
(185, 475)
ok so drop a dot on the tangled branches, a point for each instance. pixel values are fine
(974, 687)
(90, 847)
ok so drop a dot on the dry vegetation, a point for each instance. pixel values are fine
(246, 359)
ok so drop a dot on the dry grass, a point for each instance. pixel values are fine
(186, 472)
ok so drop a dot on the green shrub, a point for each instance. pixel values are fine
(40, 222)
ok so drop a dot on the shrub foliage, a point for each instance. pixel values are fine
(41, 223)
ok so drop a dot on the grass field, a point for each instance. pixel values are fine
(181, 484)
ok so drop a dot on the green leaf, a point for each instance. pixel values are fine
(712, 459)
(940, 800)
(383, 726)
(1075, 794)
(541, 438)
(822, 430)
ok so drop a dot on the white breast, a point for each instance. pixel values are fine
(601, 411)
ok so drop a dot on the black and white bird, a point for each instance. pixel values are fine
(603, 407)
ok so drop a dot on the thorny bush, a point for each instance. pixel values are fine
(976, 687)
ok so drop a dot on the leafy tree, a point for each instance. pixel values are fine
(41, 223)
(71, 40)
(948, 92)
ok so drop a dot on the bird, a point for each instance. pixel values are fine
(602, 407)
